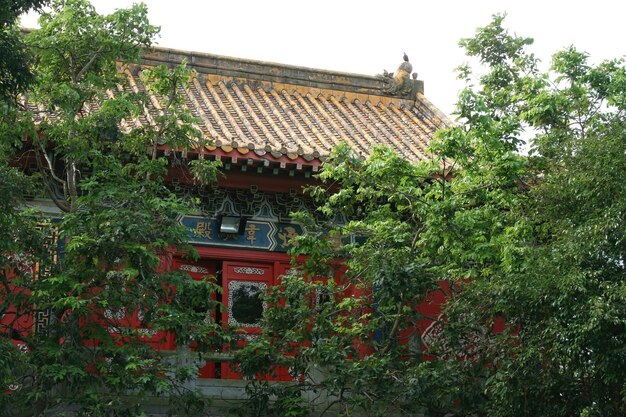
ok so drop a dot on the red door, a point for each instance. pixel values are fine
(243, 283)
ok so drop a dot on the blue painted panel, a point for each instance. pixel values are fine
(261, 235)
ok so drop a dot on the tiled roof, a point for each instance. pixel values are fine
(293, 112)
(264, 107)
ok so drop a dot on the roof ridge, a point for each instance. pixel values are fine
(206, 63)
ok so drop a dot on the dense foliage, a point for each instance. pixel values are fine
(15, 73)
(520, 214)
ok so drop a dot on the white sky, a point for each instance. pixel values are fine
(363, 36)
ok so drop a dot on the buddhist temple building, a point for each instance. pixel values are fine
(272, 126)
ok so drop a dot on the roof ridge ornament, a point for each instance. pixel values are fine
(399, 82)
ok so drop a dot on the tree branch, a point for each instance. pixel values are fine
(89, 64)
(63, 206)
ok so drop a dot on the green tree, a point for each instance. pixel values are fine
(534, 239)
(19, 235)
(118, 227)
(559, 280)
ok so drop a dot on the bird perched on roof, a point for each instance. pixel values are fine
(406, 57)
